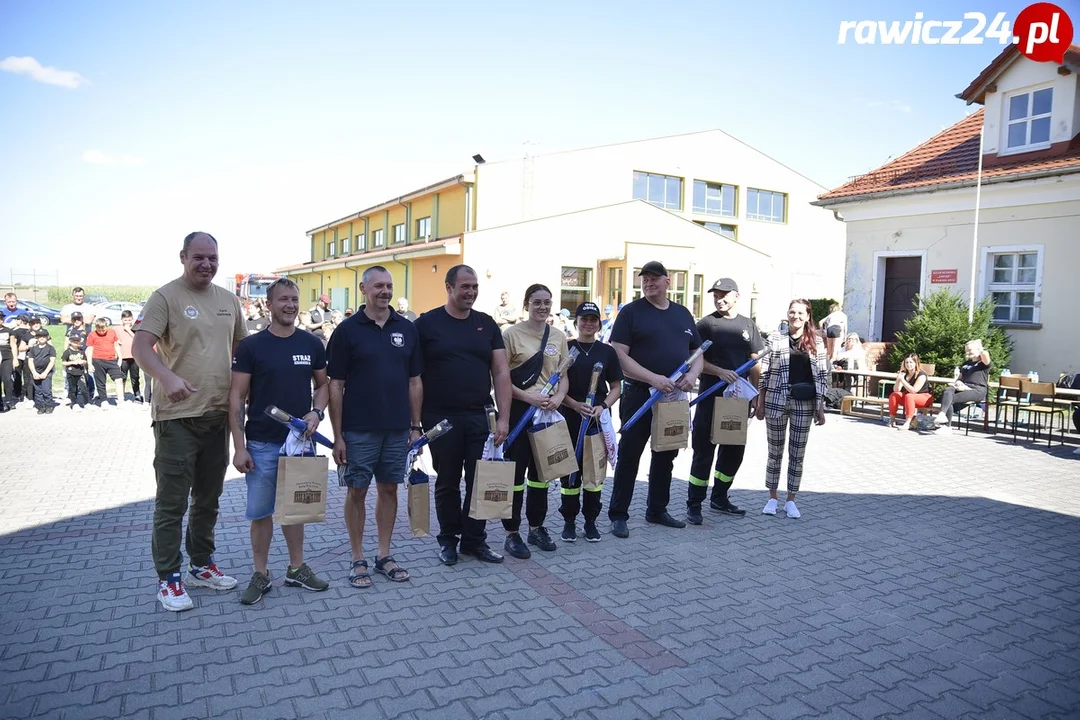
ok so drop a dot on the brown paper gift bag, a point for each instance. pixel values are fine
(301, 490)
(593, 462)
(553, 451)
(493, 490)
(670, 425)
(419, 503)
(730, 420)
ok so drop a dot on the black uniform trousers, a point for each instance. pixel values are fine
(728, 459)
(572, 500)
(631, 445)
(532, 493)
(452, 455)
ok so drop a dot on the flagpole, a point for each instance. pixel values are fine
(975, 233)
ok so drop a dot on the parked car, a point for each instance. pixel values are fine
(48, 315)
(111, 310)
(95, 299)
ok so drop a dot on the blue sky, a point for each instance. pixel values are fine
(258, 120)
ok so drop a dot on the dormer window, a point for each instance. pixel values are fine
(1029, 120)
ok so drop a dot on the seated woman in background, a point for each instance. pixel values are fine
(851, 356)
(970, 385)
(912, 389)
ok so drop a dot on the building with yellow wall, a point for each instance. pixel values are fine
(583, 222)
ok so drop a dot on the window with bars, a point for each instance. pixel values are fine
(766, 205)
(714, 199)
(661, 190)
(1013, 283)
(1029, 120)
(575, 287)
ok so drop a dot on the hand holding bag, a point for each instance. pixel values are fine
(493, 485)
(419, 497)
(552, 448)
(301, 483)
(670, 423)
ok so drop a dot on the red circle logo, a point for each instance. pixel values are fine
(1044, 32)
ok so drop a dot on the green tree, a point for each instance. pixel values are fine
(939, 329)
(820, 308)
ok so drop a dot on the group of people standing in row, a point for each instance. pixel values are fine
(383, 380)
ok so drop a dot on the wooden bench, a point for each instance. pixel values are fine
(849, 400)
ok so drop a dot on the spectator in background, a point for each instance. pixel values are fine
(11, 309)
(9, 349)
(42, 359)
(257, 321)
(349, 312)
(77, 306)
(506, 314)
(607, 323)
(852, 356)
(317, 317)
(128, 367)
(835, 327)
(24, 338)
(563, 322)
(73, 361)
(912, 389)
(969, 387)
(103, 359)
(79, 329)
(404, 311)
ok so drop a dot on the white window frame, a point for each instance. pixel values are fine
(663, 178)
(986, 276)
(762, 218)
(1006, 123)
(720, 187)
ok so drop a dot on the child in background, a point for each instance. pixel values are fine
(78, 329)
(102, 361)
(74, 361)
(42, 359)
(128, 366)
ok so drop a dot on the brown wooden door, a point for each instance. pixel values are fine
(902, 279)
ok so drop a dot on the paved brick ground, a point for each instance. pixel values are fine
(928, 577)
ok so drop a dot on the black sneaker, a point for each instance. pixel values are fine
(482, 553)
(516, 547)
(619, 529)
(726, 507)
(259, 586)
(693, 515)
(569, 531)
(540, 538)
(591, 533)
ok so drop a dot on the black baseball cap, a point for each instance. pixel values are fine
(42, 333)
(76, 315)
(653, 267)
(587, 308)
(724, 285)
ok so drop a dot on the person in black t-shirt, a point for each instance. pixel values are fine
(735, 339)
(24, 337)
(464, 356)
(8, 352)
(587, 323)
(653, 337)
(970, 385)
(42, 359)
(74, 361)
(275, 367)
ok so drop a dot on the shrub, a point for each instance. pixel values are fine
(939, 329)
(820, 308)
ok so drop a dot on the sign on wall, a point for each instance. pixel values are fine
(943, 277)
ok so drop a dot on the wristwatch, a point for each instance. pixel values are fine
(417, 428)
(320, 413)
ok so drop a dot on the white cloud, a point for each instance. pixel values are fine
(901, 107)
(96, 157)
(48, 75)
(895, 105)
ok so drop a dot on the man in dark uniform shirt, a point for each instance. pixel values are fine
(653, 336)
(735, 339)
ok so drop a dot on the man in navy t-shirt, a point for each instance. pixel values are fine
(653, 337)
(375, 398)
(275, 367)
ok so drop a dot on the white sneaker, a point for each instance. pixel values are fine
(791, 510)
(941, 419)
(943, 430)
(770, 507)
(210, 577)
(171, 594)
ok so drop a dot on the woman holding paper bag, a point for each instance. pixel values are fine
(534, 351)
(794, 378)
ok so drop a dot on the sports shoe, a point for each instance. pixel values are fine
(941, 419)
(210, 577)
(569, 531)
(171, 593)
(515, 547)
(693, 515)
(591, 533)
(259, 586)
(540, 538)
(770, 507)
(790, 510)
(727, 507)
(305, 577)
(943, 430)
(619, 529)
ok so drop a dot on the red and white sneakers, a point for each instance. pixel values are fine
(171, 594)
(210, 577)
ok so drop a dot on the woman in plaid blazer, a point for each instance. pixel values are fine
(794, 378)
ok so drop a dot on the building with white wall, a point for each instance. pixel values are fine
(911, 224)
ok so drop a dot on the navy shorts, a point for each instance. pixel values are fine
(381, 455)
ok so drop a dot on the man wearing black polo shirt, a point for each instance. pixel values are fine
(277, 367)
(464, 356)
(375, 399)
(735, 339)
(653, 337)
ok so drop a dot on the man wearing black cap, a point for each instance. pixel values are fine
(735, 339)
(653, 337)
(574, 497)
(318, 316)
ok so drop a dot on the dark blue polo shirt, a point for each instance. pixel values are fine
(376, 364)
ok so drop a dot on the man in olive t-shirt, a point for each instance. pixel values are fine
(196, 326)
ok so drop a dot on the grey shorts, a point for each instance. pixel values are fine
(380, 455)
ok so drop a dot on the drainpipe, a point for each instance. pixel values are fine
(393, 258)
(356, 287)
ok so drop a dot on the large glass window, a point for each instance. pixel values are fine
(766, 205)
(575, 287)
(661, 190)
(714, 199)
(731, 232)
(1029, 119)
(1013, 284)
